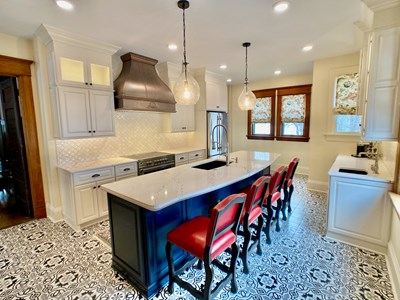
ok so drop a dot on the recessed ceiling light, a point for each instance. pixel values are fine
(280, 6)
(307, 48)
(172, 47)
(64, 4)
(223, 67)
(277, 72)
(229, 80)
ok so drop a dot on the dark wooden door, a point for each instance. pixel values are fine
(14, 146)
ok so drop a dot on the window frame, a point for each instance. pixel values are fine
(263, 94)
(276, 107)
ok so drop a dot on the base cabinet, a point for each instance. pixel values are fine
(359, 212)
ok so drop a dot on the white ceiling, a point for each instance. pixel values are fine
(215, 31)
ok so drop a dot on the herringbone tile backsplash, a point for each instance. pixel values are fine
(135, 132)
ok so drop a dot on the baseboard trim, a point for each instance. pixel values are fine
(55, 214)
(357, 242)
(318, 186)
(394, 270)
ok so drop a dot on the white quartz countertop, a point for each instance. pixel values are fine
(182, 150)
(158, 190)
(83, 166)
(350, 162)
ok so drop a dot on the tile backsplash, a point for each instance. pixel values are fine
(135, 132)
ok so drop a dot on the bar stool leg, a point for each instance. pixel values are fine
(171, 268)
(209, 277)
(285, 203)
(278, 209)
(258, 234)
(235, 252)
(268, 222)
(245, 248)
(291, 189)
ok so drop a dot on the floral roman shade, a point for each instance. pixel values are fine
(262, 111)
(346, 94)
(293, 108)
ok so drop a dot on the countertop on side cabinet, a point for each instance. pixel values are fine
(83, 166)
(350, 162)
(183, 150)
(161, 189)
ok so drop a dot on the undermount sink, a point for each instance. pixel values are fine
(211, 165)
(353, 171)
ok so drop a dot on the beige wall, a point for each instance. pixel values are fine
(325, 148)
(238, 125)
(16, 47)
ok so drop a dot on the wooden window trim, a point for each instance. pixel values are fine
(262, 94)
(276, 106)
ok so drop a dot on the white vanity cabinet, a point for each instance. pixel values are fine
(83, 113)
(380, 84)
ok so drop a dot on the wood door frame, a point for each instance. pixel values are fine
(21, 68)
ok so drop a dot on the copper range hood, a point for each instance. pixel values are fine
(139, 87)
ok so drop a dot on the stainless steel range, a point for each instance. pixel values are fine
(153, 161)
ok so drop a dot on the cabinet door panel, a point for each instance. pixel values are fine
(75, 112)
(86, 203)
(102, 112)
(102, 197)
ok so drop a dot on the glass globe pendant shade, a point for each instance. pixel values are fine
(186, 89)
(247, 100)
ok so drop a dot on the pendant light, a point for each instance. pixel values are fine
(186, 89)
(247, 99)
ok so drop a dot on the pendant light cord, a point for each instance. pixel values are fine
(184, 44)
(245, 78)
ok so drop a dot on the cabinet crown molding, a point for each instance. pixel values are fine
(377, 5)
(50, 34)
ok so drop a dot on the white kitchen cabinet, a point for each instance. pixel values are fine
(380, 75)
(79, 67)
(84, 113)
(359, 211)
(83, 202)
(189, 157)
(80, 75)
(213, 91)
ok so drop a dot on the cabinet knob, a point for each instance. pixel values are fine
(196, 155)
(94, 187)
(86, 83)
(94, 131)
(183, 127)
(90, 83)
(90, 131)
(217, 106)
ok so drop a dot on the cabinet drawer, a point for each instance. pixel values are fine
(182, 158)
(196, 155)
(93, 175)
(126, 169)
(125, 176)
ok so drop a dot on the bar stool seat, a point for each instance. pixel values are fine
(206, 238)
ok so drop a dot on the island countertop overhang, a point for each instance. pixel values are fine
(158, 190)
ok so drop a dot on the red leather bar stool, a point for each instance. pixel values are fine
(205, 239)
(272, 195)
(252, 211)
(288, 186)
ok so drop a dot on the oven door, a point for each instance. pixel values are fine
(154, 169)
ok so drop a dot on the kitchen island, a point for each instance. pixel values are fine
(143, 209)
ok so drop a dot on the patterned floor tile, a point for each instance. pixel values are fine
(45, 260)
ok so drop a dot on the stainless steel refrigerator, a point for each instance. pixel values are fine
(217, 136)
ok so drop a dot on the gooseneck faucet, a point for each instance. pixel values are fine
(213, 143)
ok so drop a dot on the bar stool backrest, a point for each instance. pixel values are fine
(292, 168)
(276, 181)
(225, 216)
(256, 194)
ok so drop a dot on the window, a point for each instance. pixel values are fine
(292, 114)
(346, 102)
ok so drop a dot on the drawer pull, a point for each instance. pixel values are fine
(197, 155)
(182, 158)
(127, 169)
(95, 175)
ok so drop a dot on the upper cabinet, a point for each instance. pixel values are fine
(82, 68)
(184, 118)
(80, 84)
(213, 91)
(380, 81)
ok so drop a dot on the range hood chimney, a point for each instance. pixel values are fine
(139, 87)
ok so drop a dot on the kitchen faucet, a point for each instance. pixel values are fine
(213, 143)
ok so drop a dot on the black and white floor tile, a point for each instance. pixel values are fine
(44, 260)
